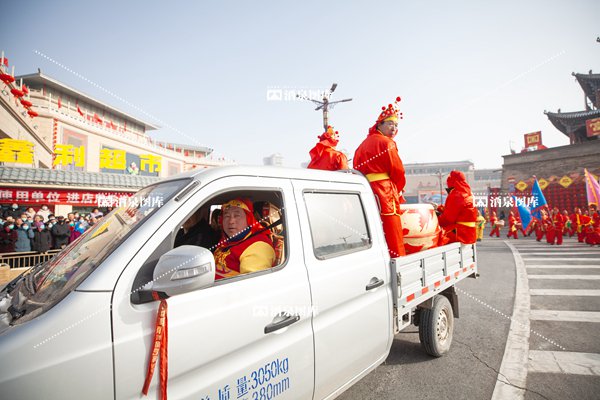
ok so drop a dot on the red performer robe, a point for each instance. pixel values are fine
(458, 219)
(495, 226)
(593, 230)
(558, 221)
(512, 227)
(582, 222)
(326, 157)
(377, 158)
(247, 255)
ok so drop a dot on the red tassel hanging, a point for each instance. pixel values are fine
(159, 349)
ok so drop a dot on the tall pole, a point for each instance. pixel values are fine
(440, 179)
(325, 114)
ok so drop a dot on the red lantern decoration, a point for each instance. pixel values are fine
(16, 92)
(25, 89)
(5, 61)
(7, 78)
(32, 113)
(26, 103)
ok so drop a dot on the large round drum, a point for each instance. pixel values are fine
(420, 227)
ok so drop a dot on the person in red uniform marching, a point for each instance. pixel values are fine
(567, 223)
(550, 230)
(325, 156)
(245, 245)
(377, 158)
(533, 226)
(543, 225)
(558, 224)
(458, 217)
(577, 224)
(494, 224)
(520, 224)
(592, 236)
(512, 226)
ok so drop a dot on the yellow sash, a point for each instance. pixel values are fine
(377, 177)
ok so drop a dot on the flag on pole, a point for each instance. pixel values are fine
(79, 110)
(524, 212)
(592, 188)
(538, 201)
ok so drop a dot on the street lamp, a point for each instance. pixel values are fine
(440, 175)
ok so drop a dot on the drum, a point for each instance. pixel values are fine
(420, 227)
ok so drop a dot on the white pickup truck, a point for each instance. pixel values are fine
(81, 326)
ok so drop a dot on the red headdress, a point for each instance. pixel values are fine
(330, 137)
(391, 112)
(458, 181)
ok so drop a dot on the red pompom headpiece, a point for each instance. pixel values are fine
(391, 112)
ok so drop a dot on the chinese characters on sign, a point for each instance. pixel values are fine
(22, 152)
(67, 154)
(16, 151)
(70, 197)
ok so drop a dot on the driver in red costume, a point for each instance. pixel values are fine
(325, 156)
(458, 216)
(245, 245)
(377, 158)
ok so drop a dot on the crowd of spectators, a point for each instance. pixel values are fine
(24, 230)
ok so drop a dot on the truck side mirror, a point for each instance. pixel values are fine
(181, 270)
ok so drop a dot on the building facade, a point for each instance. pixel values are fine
(47, 125)
(560, 170)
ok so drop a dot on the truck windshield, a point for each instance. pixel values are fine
(46, 284)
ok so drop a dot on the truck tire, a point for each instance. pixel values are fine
(436, 327)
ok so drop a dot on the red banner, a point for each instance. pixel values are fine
(24, 196)
(533, 139)
(593, 127)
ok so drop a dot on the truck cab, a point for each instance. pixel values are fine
(321, 318)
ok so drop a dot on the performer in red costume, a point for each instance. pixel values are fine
(558, 225)
(543, 226)
(245, 246)
(458, 216)
(592, 236)
(577, 224)
(495, 226)
(512, 226)
(325, 156)
(533, 226)
(377, 158)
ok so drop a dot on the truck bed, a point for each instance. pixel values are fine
(418, 277)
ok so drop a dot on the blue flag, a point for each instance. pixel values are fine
(524, 212)
(538, 200)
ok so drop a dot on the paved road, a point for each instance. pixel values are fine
(553, 345)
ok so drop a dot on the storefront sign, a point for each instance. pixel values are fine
(65, 197)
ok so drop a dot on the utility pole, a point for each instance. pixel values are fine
(325, 104)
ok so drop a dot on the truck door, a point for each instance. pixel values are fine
(217, 341)
(349, 279)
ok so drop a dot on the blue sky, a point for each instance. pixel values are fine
(472, 75)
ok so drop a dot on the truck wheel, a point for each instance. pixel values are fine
(436, 327)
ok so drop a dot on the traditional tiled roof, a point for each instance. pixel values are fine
(567, 122)
(54, 177)
(590, 83)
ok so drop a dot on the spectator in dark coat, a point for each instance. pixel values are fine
(61, 233)
(42, 239)
(25, 235)
(14, 211)
(8, 238)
